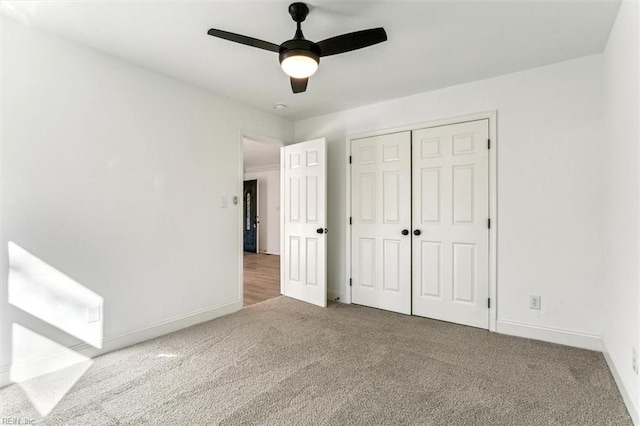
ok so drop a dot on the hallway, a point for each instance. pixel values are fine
(261, 277)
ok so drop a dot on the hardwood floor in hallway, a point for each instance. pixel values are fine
(261, 277)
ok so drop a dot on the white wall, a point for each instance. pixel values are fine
(269, 207)
(621, 192)
(113, 175)
(549, 189)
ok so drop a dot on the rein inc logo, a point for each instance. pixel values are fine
(16, 421)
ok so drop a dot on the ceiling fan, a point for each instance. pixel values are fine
(299, 57)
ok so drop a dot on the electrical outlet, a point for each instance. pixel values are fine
(534, 302)
(93, 313)
(634, 359)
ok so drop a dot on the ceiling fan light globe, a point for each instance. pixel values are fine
(299, 66)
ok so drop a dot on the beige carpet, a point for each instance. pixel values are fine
(283, 362)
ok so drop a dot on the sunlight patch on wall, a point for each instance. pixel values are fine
(45, 370)
(53, 297)
(20, 11)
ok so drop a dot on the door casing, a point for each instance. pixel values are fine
(492, 117)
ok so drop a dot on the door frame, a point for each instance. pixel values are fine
(236, 200)
(493, 194)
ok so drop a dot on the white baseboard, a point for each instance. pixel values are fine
(629, 402)
(334, 296)
(554, 335)
(112, 343)
(271, 252)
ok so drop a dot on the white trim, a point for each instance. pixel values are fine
(493, 215)
(491, 115)
(274, 253)
(333, 295)
(133, 337)
(493, 196)
(282, 265)
(347, 295)
(561, 336)
(239, 213)
(262, 139)
(268, 168)
(629, 402)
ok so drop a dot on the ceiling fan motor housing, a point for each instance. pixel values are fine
(299, 47)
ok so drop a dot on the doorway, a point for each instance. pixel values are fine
(260, 220)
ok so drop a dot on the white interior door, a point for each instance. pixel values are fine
(304, 220)
(381, 222)
(450, 214)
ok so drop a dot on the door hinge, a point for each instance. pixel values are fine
(489, 223)
(489, 303)
(350, 220)
(350, 282)
(349, 159)
(488, 143)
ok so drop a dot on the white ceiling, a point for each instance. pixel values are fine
(431, 44)
(259, 155)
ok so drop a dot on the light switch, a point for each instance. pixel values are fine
(224, 202)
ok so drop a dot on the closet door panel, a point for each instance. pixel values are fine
(380, 211)
(450, 210)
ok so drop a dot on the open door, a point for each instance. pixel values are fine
(304, 219)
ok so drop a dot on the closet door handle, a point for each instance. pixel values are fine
(405, 232)
(320, 231)
(417, 232)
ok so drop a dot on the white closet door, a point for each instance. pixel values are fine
(303, 267)
(381, 210)
(450, 213)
